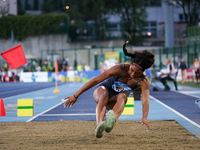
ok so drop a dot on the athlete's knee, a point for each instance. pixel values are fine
(100, 93)
(122, 97)
(104, 97)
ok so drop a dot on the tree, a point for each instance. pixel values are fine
(83, 10)
(133, 15)
(95, 10)
(35, 5)
(190, 10)
(52, 6)
(20, 11)
(27, 6)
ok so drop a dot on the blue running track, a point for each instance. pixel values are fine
(171, 105)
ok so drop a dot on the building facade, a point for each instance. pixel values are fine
(154, 30)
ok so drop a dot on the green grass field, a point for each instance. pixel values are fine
(191, 84)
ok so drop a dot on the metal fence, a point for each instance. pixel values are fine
(94, 56)
(91, 56)
(193, 34)
(188, 52)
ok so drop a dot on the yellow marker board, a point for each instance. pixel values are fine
(25, 107)
(129, 107)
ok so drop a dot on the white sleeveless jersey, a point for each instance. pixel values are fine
(173, 73)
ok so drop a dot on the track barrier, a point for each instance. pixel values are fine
(25, 107)
(129, 107)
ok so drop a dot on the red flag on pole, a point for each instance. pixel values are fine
(56, 67)
(56, 70)
(15, 57)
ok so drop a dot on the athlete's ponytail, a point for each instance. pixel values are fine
(143, 59)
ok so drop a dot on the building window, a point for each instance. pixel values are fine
(113, 27)
(182, 17)
(151, 29)
(152, 3)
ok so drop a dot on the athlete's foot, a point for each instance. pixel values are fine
(100, 127)
(110, 120)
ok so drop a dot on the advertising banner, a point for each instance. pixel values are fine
(60, 77)
(34, 77)
(112, 58)
(86, 76)
(64, 76)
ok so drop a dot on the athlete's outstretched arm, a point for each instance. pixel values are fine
(115, 70)
(145, 103)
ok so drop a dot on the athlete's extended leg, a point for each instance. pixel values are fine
(101, 97)
(117, 110)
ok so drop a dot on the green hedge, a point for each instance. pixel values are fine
(32, 25)
(193, 31)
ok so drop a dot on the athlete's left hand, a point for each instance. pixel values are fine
(144, 121)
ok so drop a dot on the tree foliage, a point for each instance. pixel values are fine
(191, 10)
(20, 11)
(35, 5)
(83, 10)
(132, 13)
(31, 25)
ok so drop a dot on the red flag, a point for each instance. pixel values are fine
(15, 57)
(56, 67)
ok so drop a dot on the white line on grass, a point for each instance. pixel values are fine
(192, 122)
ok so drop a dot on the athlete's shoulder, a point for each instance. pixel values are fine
(118, 66)
(145, 81)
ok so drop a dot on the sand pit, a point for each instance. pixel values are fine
(79, 135)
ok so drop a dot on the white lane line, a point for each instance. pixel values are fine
(86, 114)
(23, 94)
(44, 112)
(192, 122)
(189, 93)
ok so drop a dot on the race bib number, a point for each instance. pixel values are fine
(120, 87)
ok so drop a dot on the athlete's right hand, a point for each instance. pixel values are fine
(70, 101)
(144, 121)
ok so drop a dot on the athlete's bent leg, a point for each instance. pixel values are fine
(101, 97)
(119, 106)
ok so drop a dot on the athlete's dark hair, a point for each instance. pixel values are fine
(144, 59)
